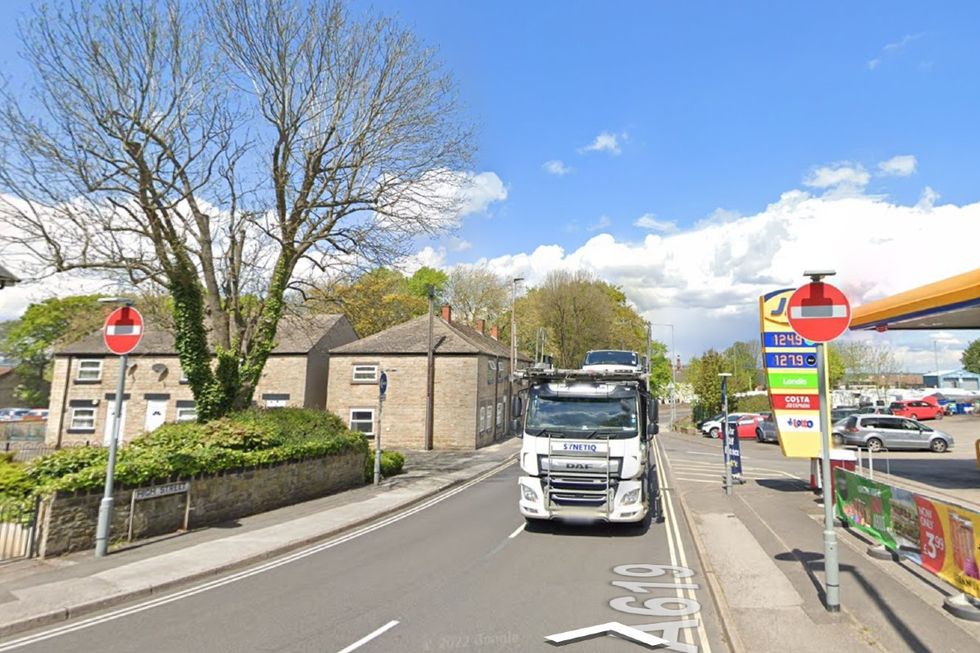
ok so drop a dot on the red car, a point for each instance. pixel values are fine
(916, 409)
(747, 425)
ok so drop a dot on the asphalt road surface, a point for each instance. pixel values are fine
(462, 574)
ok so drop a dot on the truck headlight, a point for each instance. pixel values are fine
(528, 493)
(631, 497)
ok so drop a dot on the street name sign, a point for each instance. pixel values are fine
(123, 330)
(791, 372)
(161, 490)
(819, 312)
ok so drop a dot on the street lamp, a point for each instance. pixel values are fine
(513, 323)
(673, 376)
(724, 430)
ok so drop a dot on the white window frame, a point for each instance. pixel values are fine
(500, 413)
(364, 369)
(73, 426)
(82, 366)
(350, 421)
(186, 414)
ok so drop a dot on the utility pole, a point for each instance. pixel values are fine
(724, 431)
(513, 323)
(430, 381)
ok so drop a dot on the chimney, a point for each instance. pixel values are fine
(447, 312)
(481, 326)
(494, 332)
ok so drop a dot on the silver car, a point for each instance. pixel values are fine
(765, 431)
(877, 432)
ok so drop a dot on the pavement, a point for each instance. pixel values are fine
(35, 593)
(763, 548)
(439, 559)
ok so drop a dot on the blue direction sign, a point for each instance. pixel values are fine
(382, 385)
(791, 359)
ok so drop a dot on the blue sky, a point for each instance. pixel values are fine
(734, 144)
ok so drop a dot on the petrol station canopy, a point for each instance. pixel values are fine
(952, 303)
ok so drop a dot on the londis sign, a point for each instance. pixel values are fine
(791, 372)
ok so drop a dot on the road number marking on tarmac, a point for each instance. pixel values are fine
(675, 608)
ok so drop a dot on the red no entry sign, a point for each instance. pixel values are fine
(123, 330)
(819, 312)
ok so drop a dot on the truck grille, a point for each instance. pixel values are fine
(590, 489)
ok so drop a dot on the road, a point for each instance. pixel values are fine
(462, 574)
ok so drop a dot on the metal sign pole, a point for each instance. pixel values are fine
(377, 444)
(105, 507)
(831, 563)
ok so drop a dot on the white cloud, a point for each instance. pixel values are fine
(600, 224)
(707, 280)
(928, 199)
(898, 166)
(890, 49)
(428, 256)
(650, 221)
(604, 142)
(556, 167)
(479, 190)
(458, 244)
(839, 175)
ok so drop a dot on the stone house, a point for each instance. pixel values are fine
(472, 390)
(85, 374)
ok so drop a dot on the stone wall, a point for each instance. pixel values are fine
(68, 521)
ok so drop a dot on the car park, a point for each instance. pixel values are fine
(879, 432)
(13, 414)
(916, 409)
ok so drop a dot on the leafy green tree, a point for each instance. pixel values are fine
(703, 376)
(373, 302)
(477, 293)
(418, 283)
(835, 365)
(971, 357)
(744, 363)
(44, 327)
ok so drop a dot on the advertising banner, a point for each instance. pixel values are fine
(733, 451)
(941, 537)
(791, 375)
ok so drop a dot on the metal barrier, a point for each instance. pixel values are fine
(18, 529)
(25, 450)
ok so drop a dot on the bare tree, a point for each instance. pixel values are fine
(476, 293)
(225, 153)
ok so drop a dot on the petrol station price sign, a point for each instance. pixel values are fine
(791, 372)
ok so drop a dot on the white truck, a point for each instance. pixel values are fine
(584, 454)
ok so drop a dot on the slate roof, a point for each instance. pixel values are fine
(412, 337)
(296, 335)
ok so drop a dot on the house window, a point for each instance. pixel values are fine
(275, 400)
(186, 411)
(89, 370)
(365, 374)
(500, 413)
(362, 419)
(82, 419)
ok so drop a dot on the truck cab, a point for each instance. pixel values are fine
(584, 454)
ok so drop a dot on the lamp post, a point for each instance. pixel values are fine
(673, 374)
(430, 381)
(724, 431)
(513, 323)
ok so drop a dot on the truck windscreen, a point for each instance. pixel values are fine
(580, 416)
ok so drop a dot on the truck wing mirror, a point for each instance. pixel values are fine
(517, 407)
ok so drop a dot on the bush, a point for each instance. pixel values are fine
(247, 439)
(14, 482)
(392, 463)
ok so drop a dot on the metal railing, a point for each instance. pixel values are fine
(18, 529)
(25, 450)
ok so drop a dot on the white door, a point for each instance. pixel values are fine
(110, 417)
(156, 414)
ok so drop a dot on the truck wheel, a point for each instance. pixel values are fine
(874, 444)
(713, 433)
(938, 445)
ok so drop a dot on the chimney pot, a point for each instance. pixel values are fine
(495, 332)
(447, 312)
(481, 326)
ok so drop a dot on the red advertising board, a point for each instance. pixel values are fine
(123, 330)
(819, 312)
(795, 402)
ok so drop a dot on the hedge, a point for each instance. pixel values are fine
(391, 464)
(241, 440)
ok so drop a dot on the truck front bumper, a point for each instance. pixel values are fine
(534, 505)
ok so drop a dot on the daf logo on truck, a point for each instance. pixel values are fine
(604, 478)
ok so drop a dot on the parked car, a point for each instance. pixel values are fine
(837, 414)
(712, 427)
(877, 432)
(38, 413)
(916, 409)
(765, 430)
(747, 423)
(13, 414)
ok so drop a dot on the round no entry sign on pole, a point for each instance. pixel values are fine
(819, 312)
(123, 330)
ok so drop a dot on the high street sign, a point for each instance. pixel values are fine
(819, 312)
(123, 330)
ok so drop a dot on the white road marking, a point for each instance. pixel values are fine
(670, 518)
(299, 555)
(625, 632)
(517, 531)
(367, 638)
